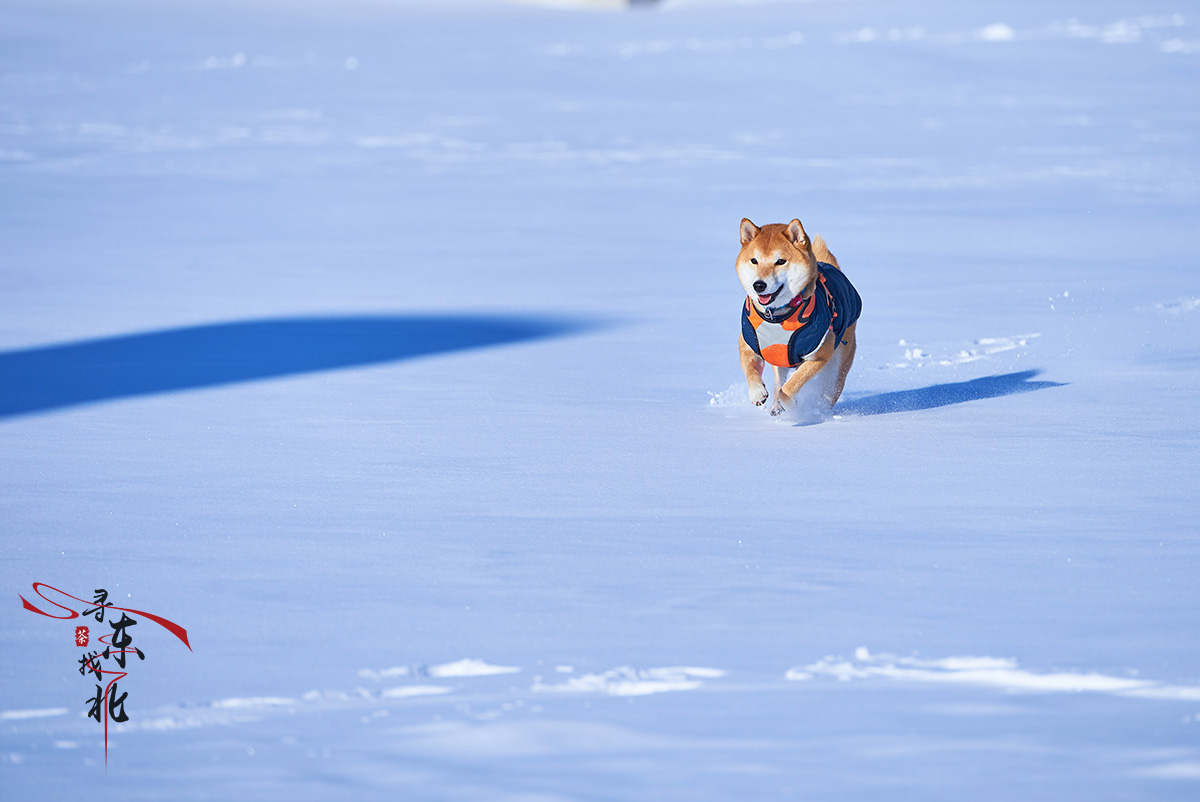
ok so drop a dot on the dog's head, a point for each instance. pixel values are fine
(776, 263)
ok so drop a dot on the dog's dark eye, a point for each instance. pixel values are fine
(753, 261)
(780, 262)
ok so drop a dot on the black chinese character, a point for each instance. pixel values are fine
(116, 705)
(88, 663)
(121, 639)
(100, 598)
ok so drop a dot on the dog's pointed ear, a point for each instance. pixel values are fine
(795, 233)
(748, 231)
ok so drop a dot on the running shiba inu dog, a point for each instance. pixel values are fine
(800, 311)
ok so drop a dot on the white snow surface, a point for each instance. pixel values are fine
(375, 342)
(470, 667)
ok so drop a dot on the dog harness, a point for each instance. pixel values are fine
(788, 336)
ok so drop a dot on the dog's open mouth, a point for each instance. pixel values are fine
(765, 300)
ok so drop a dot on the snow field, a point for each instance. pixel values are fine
(578, 564)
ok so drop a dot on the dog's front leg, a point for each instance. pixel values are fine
(808, 368)
(752, 366)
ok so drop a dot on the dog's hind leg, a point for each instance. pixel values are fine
(845, 360)
(781, 375)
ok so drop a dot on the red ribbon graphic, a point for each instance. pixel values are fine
(167, 624)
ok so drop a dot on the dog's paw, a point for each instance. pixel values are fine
(758, 395)
(777, 408)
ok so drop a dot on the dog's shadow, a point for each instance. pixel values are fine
(65, 375)
(943, 395)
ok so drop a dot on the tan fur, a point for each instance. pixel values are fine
(784, 259)
(822, 252)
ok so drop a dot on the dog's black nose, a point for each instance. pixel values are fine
(759, 286)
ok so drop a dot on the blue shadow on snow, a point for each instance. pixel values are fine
(943, 395)
(55, 376)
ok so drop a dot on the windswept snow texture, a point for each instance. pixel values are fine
(388, 347)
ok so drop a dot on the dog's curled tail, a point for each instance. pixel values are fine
(821, 251)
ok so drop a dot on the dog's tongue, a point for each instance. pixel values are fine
(764, 299)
